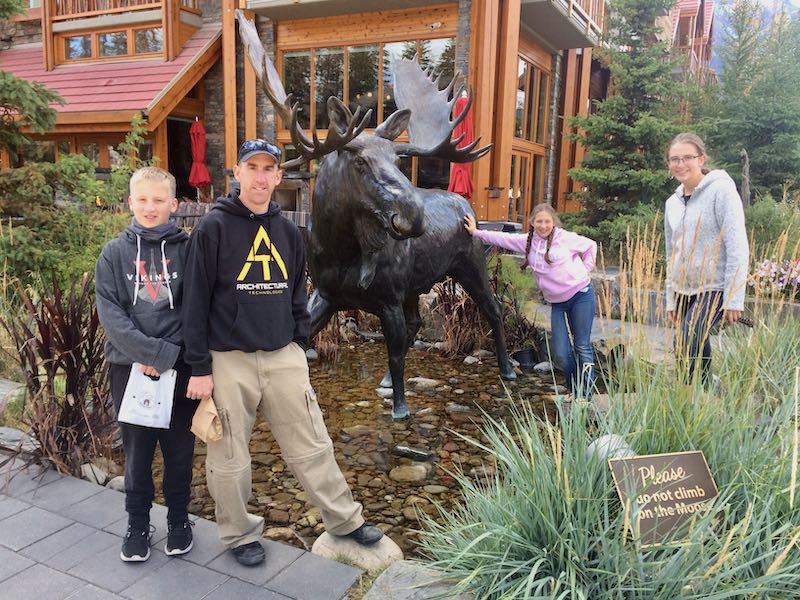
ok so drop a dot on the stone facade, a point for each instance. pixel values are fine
(14, 33)
(463, 37)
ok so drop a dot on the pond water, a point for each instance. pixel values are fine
(395, 469)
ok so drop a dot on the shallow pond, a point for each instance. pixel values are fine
(394, 469)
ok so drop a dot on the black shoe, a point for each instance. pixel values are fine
(249, 555)
(179, 540)
(136, 547)
(366, 535)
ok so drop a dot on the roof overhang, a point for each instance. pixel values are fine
(289, 10)
(558, 26)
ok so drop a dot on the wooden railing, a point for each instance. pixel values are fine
(591, 13)
(72, 9)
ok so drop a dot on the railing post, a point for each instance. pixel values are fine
(48, 10)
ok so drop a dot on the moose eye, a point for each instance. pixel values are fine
(360, 162)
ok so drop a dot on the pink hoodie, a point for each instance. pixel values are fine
(572, 258)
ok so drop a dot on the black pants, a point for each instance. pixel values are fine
(697, 316)
(139, 444)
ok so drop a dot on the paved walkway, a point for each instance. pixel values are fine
(60, 539)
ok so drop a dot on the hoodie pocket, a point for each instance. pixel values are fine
(262, 325)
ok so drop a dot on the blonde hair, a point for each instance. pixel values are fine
(543, 207)
(688, 138)
(153, 175)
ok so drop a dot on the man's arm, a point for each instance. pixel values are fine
(200, 275)
(302, 320)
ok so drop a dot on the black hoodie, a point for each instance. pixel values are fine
(245, 285)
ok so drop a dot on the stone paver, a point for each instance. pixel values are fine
(60, 539)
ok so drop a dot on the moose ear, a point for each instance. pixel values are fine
(339, 114)
(393, 126)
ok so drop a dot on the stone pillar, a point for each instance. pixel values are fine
(554, 140)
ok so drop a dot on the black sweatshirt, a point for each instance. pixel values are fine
(245, 283)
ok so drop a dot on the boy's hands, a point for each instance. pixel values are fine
(200, 387)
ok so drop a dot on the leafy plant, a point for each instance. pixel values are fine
(59, 345)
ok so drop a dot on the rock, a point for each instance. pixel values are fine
(311, 354)
(452, 407)
(385, 392)
(363, 404)
(411, 513)
(117, 483)
(472, 360)
(412, 453)
(369, 558)
(406, 580)
(458, 391)
(410, 473)
(420, 345)
(435, 489)
(280, 534)
(483, 471)
(481, 353)
(108, 465)
(357, 430)
(93, 473)
(609, 446)
(13, 438)
(278, 516)
(542, 367)
(423, 383)
(373, 336)
(438, 345)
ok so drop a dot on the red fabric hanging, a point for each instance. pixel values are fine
(460, 177)
(198, 176)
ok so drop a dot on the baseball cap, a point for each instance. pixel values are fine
(251, 148)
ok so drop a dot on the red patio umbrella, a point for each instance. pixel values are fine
(460, 178)
(198, 176)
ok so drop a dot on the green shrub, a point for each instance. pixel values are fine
(549, 524)
(766, 220)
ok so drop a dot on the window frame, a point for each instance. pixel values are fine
(61, 38)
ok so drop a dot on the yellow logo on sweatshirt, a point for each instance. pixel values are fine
(270, 254)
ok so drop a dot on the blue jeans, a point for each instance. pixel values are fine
(575, 359)
(697, 316)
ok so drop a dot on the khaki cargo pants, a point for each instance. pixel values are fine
(275, 383)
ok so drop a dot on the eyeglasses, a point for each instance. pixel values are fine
(258, 145)
(676, 160)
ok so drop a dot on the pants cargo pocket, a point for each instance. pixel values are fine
(315, 414)
(227, 436)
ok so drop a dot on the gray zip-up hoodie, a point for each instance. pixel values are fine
(706, 242)
(139, 284)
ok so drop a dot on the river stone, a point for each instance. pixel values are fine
(357, 430)
(609, 446)
(420, 345)
(435, 489)
(472, 360)
(453, 407)
(311, 354)
(280, 534)
(542, 367)
(117, 483)
(423, 383)
(407, 580)
(11, 438)
(278, 516)
(93, 473)
(384, 392)
(409, 473)
(412, 453)
(370, 558)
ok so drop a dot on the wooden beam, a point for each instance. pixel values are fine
(48, 10)
(160, 148)
(250, 92)
(229, 77)
(484, 22)
(506, 105)
(170, 28)
(565, 156)
(583, 98)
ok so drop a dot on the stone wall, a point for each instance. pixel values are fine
(13, 33)
(463, 37)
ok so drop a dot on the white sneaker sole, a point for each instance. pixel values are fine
(135, 557)
(178, 551)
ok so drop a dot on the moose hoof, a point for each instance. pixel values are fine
(508, 375)
(400, 415)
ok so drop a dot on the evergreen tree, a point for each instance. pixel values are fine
(22, 103)
(626, 136)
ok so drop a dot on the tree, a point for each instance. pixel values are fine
(22, 103)
(755, 105)
(626, 135)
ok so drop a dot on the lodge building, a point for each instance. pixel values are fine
(529, 64)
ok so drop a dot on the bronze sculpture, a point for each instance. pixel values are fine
(376, 242)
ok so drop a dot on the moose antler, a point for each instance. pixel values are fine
(340, 131)
(430, 129)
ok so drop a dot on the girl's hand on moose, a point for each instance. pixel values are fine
(469, 224)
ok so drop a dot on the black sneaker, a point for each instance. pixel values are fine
(136, 546)
(366, 535)
(250, 554)
(179, 540)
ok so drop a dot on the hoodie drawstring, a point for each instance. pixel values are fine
(165, 274)
(138, 259)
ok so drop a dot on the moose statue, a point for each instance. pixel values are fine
(376, 241)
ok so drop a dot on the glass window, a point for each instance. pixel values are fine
(537, 188)
(148, 41)
(63, 149)
(530, 104)
(114, 43)
(290, 153)
(406, 166)
(440, 56)
(297, 81)
(146, 151)
(115, 157)
(328, 81)
(391, 52)
(522, 80)
(34, 152)
(91, 151)
(512, 182)
(77, 47)
(541, 119)
(362, 79)
(433, 173)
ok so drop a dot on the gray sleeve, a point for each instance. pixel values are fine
(120, 328)
(730, 216)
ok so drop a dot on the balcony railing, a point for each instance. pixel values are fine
(75, 9)
(590, 13)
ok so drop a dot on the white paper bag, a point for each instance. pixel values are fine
(148, 402)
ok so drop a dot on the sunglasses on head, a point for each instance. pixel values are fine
(260, 146)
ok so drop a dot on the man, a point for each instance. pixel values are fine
(246, 327)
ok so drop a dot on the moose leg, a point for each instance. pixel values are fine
(472, 276)
(393, 324)
(413, 323)
(321, 312)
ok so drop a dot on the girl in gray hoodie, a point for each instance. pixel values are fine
(707, 252)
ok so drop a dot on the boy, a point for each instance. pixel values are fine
(139, 286)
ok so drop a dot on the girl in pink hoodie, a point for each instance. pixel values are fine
(561, 261)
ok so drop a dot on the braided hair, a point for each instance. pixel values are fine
(543, 207)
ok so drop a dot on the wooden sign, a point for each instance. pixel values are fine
(668, 490)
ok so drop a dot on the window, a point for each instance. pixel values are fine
(92, 152)
(114, 43)
(77, 47)
(328, 81)
(363, 69)
(297, 81)
(148, 41)
(34, 152)
(533, 92)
